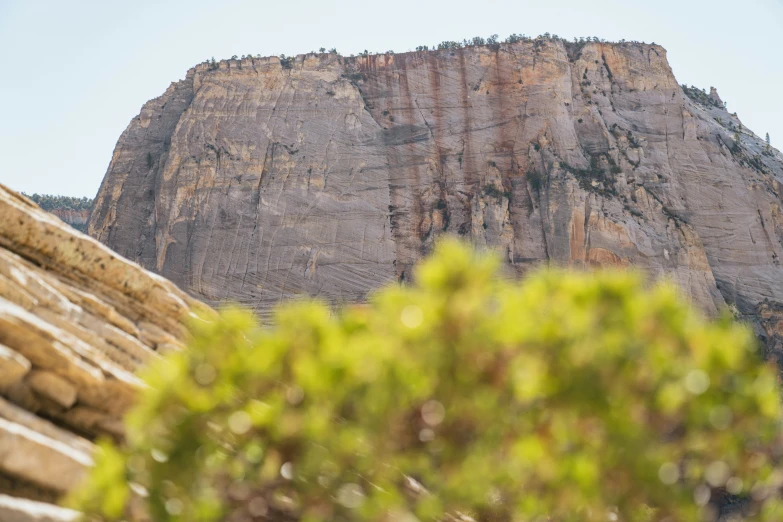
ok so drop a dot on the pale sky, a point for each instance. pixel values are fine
(73, 74)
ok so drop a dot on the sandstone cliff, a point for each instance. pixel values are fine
(76, 218)
(258, 179)
(76, 320)
(74, 211)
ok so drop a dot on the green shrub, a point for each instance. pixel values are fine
(535, 179)
(576, 396)
(286, 62)
(493, 191)
(354, 78)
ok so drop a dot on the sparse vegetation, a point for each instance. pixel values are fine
(701, 96)
(49, 202)
(757, 163)
(535, 179)
(56, 204)
(493, 41)
(594, 178)
(286, 62)
(354, 78)
(449, 45)
(491, 190)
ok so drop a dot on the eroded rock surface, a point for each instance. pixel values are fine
(76, 321)
(76, 218)
(254, 180)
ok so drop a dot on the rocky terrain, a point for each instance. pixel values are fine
(76, 218)
(74, 211)
(254, 180)
(76, 320)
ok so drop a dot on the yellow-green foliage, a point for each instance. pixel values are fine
(584, 397)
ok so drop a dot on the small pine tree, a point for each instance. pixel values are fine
(322, 50)
(737, 142)
(767, 139)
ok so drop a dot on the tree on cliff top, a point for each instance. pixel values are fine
(575, 396)
(49, 202)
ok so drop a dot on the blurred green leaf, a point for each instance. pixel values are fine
(575, 396)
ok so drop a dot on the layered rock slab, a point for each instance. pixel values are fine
(76, 321)
(255, 180)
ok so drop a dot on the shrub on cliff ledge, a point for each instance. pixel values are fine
(575, 396)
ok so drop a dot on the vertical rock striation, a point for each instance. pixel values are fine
(258, 179)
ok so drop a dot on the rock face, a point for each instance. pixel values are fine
(74, 211)
(76, 218)
(258, 179)
(76, 320)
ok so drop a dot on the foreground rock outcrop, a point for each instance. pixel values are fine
(76, 321)
(258, 179)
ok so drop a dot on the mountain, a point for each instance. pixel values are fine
(76, 320)
(74, 211)
(257, 179)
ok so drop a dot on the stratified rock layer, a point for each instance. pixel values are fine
(76, 320)
(254, 180)
(76, 218)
